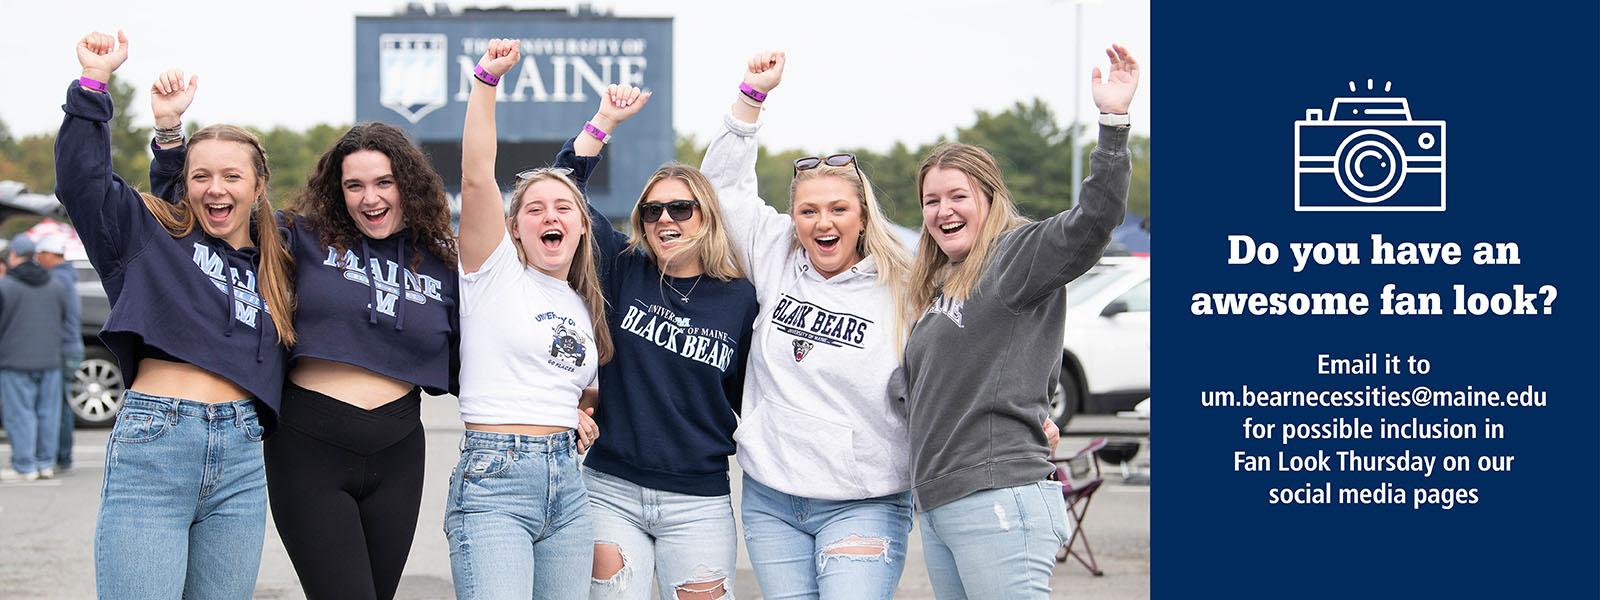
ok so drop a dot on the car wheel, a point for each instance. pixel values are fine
(1066, 400)
(96, 389)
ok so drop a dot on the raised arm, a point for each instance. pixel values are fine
(582, 154)
(170, 96)
(482, 207)
(102, 206)
(759, 232)
(1047, 255)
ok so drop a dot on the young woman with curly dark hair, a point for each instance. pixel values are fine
(374, 260)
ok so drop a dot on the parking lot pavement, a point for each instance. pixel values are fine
(47, 529)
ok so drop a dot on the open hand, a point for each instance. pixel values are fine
(1113, 94)
(765, 71)
(100, 54)
(502, 55)
(170, 96)
(588, 431)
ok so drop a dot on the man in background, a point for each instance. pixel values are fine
(52, 255)
(33, 307)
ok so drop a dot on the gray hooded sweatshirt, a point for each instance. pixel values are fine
(978, 373)
(33, 306)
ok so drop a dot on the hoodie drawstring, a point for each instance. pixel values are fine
(400, 303)
(372, 280)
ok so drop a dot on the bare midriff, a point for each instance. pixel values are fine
(182, 380)
(347, 383)
(534, 430)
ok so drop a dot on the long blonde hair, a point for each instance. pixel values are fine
(717, 258)
(931, 270)
(276, 269)
(876, 239)
(582, 275)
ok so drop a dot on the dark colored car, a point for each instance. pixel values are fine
(95, 394)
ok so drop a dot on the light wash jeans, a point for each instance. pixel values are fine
(809, 548)
(517, 518)
(32, 404)
(69, 374)
(688, 542)
(183, 509)
(995, 543)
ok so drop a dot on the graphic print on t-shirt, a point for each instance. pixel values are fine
(815, 323)
(246, 303)
(569, 343)
(664, 328)
(386, 275)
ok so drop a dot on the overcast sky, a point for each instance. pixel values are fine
(292, 62)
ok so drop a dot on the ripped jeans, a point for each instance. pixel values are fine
(995, 544)
(808, 548)
(688, 543)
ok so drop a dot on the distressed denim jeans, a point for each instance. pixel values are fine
(183, 509)
(517, 518)
(670, 542)
(809, 548)
(995, 543)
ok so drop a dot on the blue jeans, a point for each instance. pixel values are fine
(996, 543)
(69, 373)
(183, 509)
(32, 404)
(808, 548)
(517, 518)
(689, 542)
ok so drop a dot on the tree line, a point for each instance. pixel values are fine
(1034, 151)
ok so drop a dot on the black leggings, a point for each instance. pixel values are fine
(345, 486)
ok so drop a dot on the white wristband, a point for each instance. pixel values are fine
(1110, 120)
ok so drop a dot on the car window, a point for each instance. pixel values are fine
(1138, 298)
(1088, 284)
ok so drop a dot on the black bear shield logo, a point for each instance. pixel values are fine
(801, 349)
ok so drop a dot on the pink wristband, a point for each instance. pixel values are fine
(597, 132)
(93, 84)
(753, 93)
(485, 76)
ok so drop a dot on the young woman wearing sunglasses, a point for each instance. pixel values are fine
(825, 504)
(680, 317)
(533, 335)
(200, 306)
(988, 283)
(374, 262)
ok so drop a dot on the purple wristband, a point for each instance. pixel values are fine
(597, 132)
(753, 93)
(485, 76)
(93, 84)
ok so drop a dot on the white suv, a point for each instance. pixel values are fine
(1105, 357)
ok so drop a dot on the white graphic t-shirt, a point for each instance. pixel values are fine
(527, 344)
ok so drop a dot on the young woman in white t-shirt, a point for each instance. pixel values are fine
(533, 336)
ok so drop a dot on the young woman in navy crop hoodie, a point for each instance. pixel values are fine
(374, 261)
(680, 315)
(200, 310)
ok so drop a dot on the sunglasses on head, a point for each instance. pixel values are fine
(531, 173)
(842, 159)
(679, 210)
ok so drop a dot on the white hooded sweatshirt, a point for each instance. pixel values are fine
(817, 421)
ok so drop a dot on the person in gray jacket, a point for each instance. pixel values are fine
(987, 283)
(33, 307)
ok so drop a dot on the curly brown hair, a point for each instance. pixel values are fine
(422, 197)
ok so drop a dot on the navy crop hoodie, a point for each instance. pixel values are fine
(340, 315)
(193, 298)
(669, 398)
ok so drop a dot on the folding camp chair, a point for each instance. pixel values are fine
(1080, 478)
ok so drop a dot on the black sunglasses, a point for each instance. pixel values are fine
(679, 210)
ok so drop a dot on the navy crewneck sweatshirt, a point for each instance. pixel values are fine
(670, 395)
(366, 305)
(193, 298)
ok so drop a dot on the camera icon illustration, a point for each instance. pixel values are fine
(1368, 155)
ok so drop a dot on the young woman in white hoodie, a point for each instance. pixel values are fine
(825, 507)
